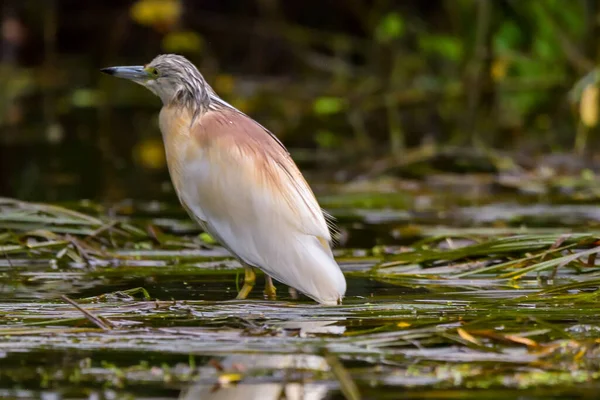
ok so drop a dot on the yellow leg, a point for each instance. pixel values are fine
(249, 279)
(270, 290)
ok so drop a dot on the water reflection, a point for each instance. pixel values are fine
(260, 391)
(221, 382)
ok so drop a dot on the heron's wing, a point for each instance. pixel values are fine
(218, 103)
(245, 187)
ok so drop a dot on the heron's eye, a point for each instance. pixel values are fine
(152, 71)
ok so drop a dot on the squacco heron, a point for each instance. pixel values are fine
(239, 183)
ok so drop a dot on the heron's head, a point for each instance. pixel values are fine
(171, 77)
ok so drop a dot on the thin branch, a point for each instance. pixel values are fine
(99, 322)
(572, 53)
(477, 70)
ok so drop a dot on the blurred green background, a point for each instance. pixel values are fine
(354, 88)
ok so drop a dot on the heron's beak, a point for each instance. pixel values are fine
(135, 73)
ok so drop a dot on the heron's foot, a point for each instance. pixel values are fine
(270, 290)
(249, 280)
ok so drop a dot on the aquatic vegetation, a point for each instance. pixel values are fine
(136, 303)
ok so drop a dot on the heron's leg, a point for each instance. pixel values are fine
(270, 290)
(249, 279)
(293, 293)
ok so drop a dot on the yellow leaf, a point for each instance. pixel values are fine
(467, 336)
(150, 154)
(182, 42)
(224, 83)
(499, 68)
(242, 104)
(588, 107)
(580, 354)
(153, 12)
(225, 379)
(403, 324)
(521, 340)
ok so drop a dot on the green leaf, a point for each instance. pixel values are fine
(326, 139)
(206, 238)
(545, 50)
(507, 38)
(328, 105)
(390, 27)
(448, 47)
(85, 98)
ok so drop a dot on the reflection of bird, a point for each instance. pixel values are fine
(238, 181)
(234, 367)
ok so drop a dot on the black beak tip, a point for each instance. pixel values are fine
(108, 71)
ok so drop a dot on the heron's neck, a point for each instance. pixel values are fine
(195, 100)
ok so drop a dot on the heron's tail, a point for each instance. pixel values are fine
(308, 266)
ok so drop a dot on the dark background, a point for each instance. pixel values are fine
(348, 85)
